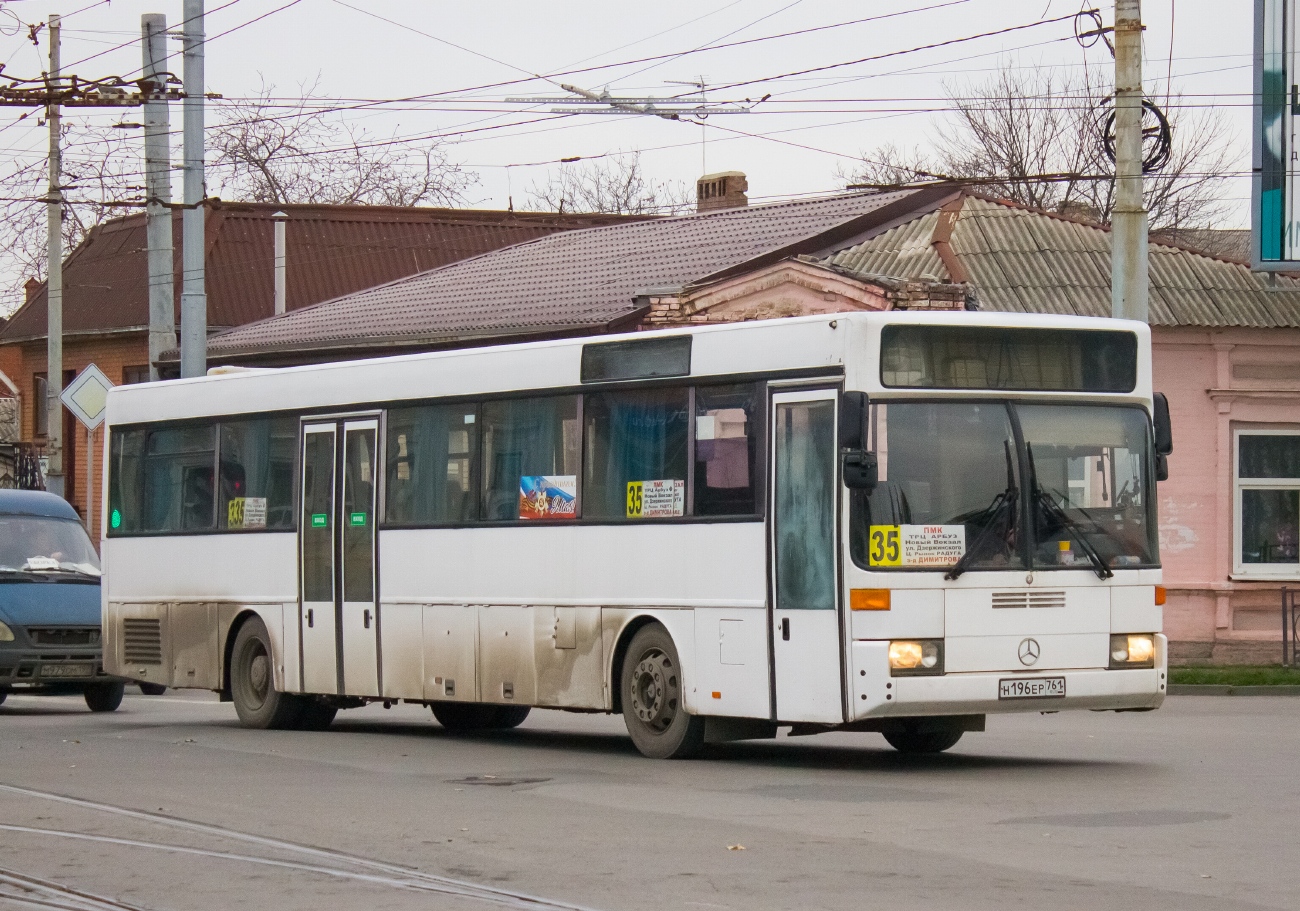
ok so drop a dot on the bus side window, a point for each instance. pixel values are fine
(256, 477)
(530, 458)
(432, 462)
(636, 454)
(178, 479)
(727, 428)
(126, 481)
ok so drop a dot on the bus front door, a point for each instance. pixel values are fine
(806, 651)
(339, 620)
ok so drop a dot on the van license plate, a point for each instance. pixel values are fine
(68, 670)
(1031, 688)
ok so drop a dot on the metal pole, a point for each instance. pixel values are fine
(194, 301)
(90, 486)
(54, 286)
(158, 181)
(281, 291)
(1128, 277)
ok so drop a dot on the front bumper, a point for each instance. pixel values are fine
(24, 665)
(877, 695)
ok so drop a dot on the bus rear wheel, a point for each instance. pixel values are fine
(653, 707)
(252, 682)
(315, 714)
(473, 716)
(932, 741)
(104, 697)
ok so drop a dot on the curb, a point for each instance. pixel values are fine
(1210, 689)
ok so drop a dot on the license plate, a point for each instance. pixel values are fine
(68, 670)
(1031, 688)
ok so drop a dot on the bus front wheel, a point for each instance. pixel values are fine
(653, 706)
(913, 741)
(252, 681)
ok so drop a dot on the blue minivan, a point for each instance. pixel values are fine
(50, 638)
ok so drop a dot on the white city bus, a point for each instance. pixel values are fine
(889, 522)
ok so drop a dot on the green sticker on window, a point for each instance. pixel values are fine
(319, 520)
(116, 518)
(358, 518)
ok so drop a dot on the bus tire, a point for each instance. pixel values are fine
(510, 716)
(316, 715)
(151, 689)
(104, 697)
(653, 706)
(474, 716)
(252, 682)
(917, 742)
(4, 694)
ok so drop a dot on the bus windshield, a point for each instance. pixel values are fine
(951, 491)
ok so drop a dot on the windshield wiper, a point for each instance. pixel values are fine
(1003, 502)
(1071, 527)
(9, 574)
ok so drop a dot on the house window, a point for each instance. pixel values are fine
(1268, 502)
(40, 407)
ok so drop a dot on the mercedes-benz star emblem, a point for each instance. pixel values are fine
(1029, 651)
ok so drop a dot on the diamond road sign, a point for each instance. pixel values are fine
(87, 396)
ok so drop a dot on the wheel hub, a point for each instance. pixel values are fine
(259, 676)
(654, 691)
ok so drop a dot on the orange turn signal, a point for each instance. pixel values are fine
(869, 599)
(1161, 594)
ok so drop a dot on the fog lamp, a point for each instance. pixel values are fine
(913, 657)
(6, 634)
(1128, 650)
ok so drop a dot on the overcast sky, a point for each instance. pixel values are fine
(811, 124)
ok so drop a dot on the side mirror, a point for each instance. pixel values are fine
(1162, 467)
(861, 470)
(1164, 429)
(853, 420)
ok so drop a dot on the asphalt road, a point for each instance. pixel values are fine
(169, 804)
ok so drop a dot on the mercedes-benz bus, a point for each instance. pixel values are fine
(883, 522)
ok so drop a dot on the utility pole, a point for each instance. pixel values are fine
(54, 283)
(1128, 236)
(194, 300)
(158, 189)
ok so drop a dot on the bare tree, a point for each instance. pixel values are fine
(1035, 137)
(268, 151)
(616, 185)
(101, 179)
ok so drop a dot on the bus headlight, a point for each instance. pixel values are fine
(1128, 650)
(915, 657)
(6, 634)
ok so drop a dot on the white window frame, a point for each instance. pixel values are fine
(1283, 571)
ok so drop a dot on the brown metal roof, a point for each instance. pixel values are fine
(1025, 261)
(576, 281)
(330, 251)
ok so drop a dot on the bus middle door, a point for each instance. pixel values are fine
(339, 620)
(806, 650)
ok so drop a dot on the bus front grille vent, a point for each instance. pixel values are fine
(1029, 599)
(141, 641)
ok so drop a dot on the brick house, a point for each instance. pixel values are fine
(330, 251)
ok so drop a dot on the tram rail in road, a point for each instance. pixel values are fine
(379, 872)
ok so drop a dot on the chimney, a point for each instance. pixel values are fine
(31, 287)
(281, 295)
(724, 190)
